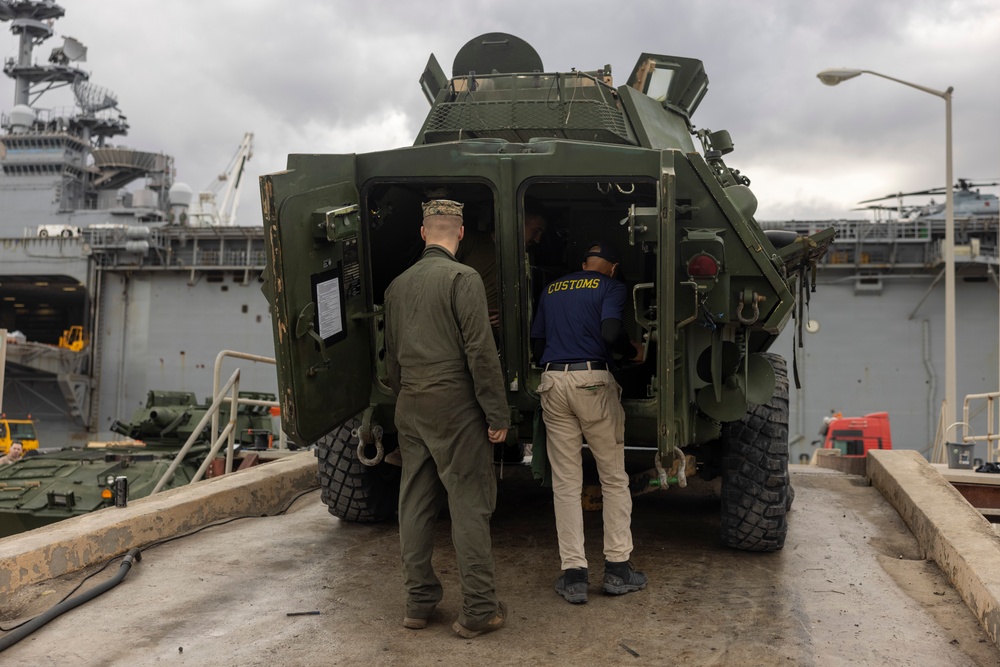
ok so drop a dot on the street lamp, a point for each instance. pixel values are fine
(832, 77)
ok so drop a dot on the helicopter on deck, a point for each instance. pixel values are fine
(968, 202)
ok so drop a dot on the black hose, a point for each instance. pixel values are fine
(16, 635)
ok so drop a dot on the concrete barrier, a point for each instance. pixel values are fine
(834, 460)
(949, 530)
(73, 544)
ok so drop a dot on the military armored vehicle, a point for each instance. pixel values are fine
(39, 490)
(709, 289)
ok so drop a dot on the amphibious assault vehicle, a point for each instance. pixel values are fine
(39, 490)
(709, 289)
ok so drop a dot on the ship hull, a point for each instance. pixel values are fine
(881, 348)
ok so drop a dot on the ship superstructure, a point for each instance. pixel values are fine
(160, 278)
(102, 236)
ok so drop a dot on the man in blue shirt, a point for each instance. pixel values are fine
(577, 328)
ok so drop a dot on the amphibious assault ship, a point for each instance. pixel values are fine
(98, 235)
(874, 331)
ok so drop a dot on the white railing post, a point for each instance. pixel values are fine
(235, 404)
(195, 433)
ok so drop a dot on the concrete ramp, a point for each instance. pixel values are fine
(73, 544)
(949, 530)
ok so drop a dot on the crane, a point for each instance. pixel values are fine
(218, 203)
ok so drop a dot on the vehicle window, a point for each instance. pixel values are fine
(22, 432)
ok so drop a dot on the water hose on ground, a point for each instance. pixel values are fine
(17, 634)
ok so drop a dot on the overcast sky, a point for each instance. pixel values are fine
(339, 76)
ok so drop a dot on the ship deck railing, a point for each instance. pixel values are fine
(902, 244)
(180, 248)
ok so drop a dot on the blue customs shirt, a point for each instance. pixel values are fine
(570, 314)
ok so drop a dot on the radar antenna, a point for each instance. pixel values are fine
(91, 98)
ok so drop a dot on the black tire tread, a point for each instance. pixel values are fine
(351, 490)
(756, 492)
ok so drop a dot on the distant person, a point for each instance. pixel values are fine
(451, 404)
(14, 453)
(577, 327)
(478, 249)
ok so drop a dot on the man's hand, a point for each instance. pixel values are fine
(494, 318)
(497, 435)
(640, 353)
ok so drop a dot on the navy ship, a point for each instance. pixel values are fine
(871, 339)
(115, 278)
(99, 239)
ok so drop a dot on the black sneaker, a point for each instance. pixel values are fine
(621, 578)
(572, 585)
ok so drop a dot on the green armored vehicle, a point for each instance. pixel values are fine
(709, 289)
(39, 490)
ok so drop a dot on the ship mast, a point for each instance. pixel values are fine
(32, 21)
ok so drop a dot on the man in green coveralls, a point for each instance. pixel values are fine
(450, 407)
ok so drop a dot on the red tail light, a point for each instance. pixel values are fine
(703, 266)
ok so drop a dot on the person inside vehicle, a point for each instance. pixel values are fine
(478, 249)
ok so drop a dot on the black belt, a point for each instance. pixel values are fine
(578, 366)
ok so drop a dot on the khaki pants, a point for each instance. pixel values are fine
(446, 458)
(578, 406)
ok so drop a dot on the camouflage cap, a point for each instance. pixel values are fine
(442, 207)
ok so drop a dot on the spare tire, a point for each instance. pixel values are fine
(351, 490)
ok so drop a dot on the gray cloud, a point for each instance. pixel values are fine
(339, 76)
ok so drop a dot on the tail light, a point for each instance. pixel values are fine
(703, 266)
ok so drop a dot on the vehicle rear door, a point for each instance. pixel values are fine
(315, 282)
(667, 411)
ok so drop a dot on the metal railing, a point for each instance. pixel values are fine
(992, 406)
(228, 434)
(282, 442)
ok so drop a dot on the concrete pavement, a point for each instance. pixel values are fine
(850, 587)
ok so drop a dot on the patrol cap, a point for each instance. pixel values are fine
(442, 207)
(604, 250)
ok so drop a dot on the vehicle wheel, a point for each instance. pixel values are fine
(351, 490)
(43, 234)
(756, 493)
(66, 234)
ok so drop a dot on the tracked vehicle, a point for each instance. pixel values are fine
(710, 290)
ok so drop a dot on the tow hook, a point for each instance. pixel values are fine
(368, 436)
(754, 303)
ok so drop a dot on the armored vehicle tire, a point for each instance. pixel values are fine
(755, 485)
(350, 489)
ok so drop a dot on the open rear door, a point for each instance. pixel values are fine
(316, 268)
(666, 279)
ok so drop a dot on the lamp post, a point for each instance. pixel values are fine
(832, 77)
